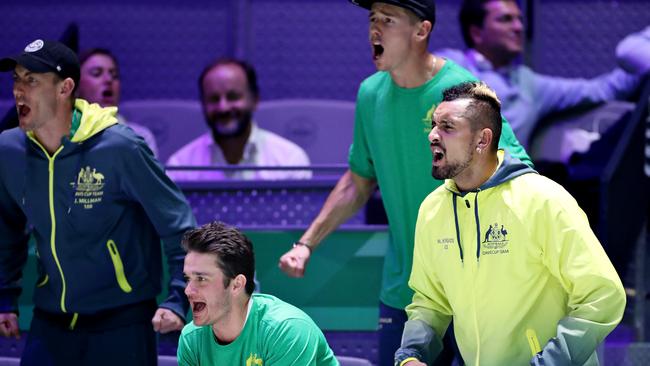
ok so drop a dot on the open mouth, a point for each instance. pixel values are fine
(197, 307)
(377, 51)
(438, 154)
(107, 93)
(23, 109)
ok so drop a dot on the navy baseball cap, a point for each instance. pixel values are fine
(424, 9)
(45, 56)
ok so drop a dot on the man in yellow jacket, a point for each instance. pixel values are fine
(504, 251)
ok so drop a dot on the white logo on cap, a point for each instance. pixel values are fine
(34, 46)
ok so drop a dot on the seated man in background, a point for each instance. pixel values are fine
(231, 325)
(229, 96)
(100, 83)
(493, 31)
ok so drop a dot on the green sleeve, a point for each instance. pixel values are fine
(509, 142)
(359, 157)
(185, 353)
(297, 342)
(596, 298)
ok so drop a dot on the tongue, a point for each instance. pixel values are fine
(23, 110)
(198, 306)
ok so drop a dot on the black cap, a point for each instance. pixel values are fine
(424, 9)
(45, 56)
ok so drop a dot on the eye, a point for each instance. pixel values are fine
(388, 20)
(96, 72)
(232, 96)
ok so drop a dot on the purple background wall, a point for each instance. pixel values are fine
(302, 48)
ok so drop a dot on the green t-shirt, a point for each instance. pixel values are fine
(275, 333)
(391, 146)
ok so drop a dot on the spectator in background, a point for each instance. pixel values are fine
(229, 96)
(493, 31)
(100, 83)
(231, 325)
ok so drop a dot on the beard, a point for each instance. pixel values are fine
(451, 170)
(237, 126)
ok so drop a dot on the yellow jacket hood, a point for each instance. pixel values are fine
(94, 119)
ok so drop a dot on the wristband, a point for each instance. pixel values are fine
(301, 244)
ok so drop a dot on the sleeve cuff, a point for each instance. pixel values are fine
(407, 360)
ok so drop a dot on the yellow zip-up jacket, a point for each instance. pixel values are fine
(517, 266)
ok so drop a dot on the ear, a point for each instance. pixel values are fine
(476, 34)
(239, 283)
(423, 30)
(67, 87)
(485, 140)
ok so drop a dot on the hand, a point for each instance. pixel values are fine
(165, 321)
(415, 363)
(293, 262)
(9, 325)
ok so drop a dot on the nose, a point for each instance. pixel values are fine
(189, 289)
(223, 105)
(17, 90)
(518, 24)
(107, 77)
(433, 135)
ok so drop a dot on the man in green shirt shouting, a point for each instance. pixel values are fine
(231, 325)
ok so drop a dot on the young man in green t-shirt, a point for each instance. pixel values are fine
(390, 148)
(231, 325)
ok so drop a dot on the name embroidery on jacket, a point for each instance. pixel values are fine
(89, 187)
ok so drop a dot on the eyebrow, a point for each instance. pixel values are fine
(381, 12)
(197, 274)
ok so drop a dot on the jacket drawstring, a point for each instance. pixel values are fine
(460, 247)
(478, 227)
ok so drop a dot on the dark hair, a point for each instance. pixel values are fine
(86, 54)
(234, 251)
(472, 13)
(484, 110)
(251, 75)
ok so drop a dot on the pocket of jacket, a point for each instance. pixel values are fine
(118, 266)
(533, 342)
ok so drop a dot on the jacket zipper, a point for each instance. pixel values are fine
(52, 217)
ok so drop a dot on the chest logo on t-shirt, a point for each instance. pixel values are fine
(426, 121)
(253, 360)
(88, 188)
(495, 240)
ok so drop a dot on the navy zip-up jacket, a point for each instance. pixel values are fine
(98, 208)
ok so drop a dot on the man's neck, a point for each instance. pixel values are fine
(228, 330)
(480, 170)
(51, 133)
(497, 59)
(233, 147)
(417, 70)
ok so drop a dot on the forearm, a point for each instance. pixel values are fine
(348, 196)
